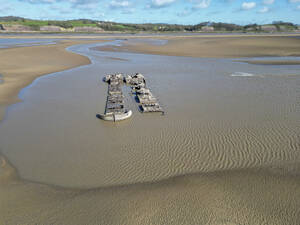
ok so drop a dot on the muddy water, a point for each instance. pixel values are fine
(220, 114)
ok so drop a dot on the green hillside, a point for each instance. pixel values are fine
(68, 25)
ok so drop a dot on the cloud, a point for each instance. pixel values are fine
(295, 1)
(81, 1)
(128, 11)
(268, 2)
(65, 11)
(248, 5)
(73, 2)
(115, 4)
(264, 9)
(40, 1)
(185, 12)
(202, 4)
(125, 7)
(88, 6)
(161, 3)
(49, 1)
(5, 8)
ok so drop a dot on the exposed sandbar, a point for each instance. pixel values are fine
(271, 62)
(229, 46)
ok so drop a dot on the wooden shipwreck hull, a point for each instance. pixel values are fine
(115, 110)
(115, 116)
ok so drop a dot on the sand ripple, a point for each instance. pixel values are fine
(213, 123)
(196, 147)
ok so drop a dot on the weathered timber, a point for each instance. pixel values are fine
(115, 109)
(148, 103)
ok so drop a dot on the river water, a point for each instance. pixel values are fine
(20, 42)
(220, 115)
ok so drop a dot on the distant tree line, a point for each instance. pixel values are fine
(147, 27)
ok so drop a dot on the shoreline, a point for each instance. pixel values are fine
(34, 63)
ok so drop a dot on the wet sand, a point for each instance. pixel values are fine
(218, 47)
(265, 194)
(228, 197)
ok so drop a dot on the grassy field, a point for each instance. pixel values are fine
(40, 23)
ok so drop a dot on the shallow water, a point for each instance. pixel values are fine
(213, 121)
(11, 42)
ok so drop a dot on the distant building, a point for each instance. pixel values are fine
(269, 28)
(88, 29)
(207, 28)
(16, 28)
(252, 28)
(51, 28)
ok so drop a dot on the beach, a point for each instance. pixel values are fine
(231, 157)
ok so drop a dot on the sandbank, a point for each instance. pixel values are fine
(271, 62)
(230, 46)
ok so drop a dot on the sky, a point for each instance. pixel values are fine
(157, 11)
